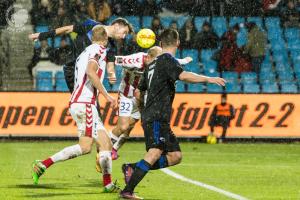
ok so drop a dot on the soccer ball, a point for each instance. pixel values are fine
(211, 139)
(145, 38)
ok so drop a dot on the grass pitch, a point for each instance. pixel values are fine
(254, 171)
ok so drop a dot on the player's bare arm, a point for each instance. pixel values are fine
(59, 31)
(111, 74)
(196, 78)
(91, 72)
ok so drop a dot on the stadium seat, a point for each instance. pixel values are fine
(178, 54)
(232, 88)
(41, 28)
(270, 88)
(242, 37)
(199, 21)
(219, 25)
(266, 67)
(147, 21)
(212, 74)
(44, 81)
(180, 86)
(213, 88)
(118, 70)
(248, 77)
(106, 84)
(166, 21)
(251, 88)
(135, 21)
(60, 82)
(192, 53)
(181, 21)
(267, 77)
(192, 68)
(196, 87)
(210, 65)
(286, 77)
(206, 54)
(231, 77)
(256, 20)
(235, 20)
(289, 88)
(272, 22)
(274, 34)
(292, 33)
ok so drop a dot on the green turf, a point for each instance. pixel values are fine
(255, 171)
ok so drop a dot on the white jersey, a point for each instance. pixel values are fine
(133, 68)
(84, 91)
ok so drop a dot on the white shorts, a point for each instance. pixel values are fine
(87, 119)
(128, 107)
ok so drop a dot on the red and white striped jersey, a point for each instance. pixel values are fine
(133, 68)
(84, 91)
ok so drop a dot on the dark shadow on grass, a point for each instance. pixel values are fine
(49, 195)
(42, 186)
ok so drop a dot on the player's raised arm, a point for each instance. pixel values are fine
(196, 78)
(52, 33)
(185, 60)
(131, 61)
(91, 72)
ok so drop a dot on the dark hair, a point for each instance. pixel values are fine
(250, 25)
(224, 95)
(124, 22)
(236, 27)
(169, 37)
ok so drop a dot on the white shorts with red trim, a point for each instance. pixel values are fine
(87, 119)
(128, 107)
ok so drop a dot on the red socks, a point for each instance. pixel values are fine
(48, 162)
(106, 179)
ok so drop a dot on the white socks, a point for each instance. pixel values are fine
(105, 162)
(120, 141)
(67, 153)
(112, 136)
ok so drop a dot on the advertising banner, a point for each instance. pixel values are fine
(257, 115)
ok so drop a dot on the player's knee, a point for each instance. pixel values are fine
(177, 157)
(86, 148)
(124, 127)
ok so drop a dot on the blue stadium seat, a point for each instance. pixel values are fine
(292, 33)
(232, 88)
(248, 77)
(118, 70)
(267, 77)
(206, 54)
(213, 88)
(286, 77)
(147, 21)
(181, 21)
(135, 21)
(256, 20)
(166, 21)
(274, 34)
(44, 81)
(199, 21)
(270, 88)
(41, 28)
(192, 68)
(242, 37)
(212, 74)
(297, 67)
(266, 67)
(180, 86)
(235, 20)
(293, 44)
(106, 84)
(289, 88)
(219, 25)
(231, 77)
(178, 54)
(272, 22)
(115, 87)
(210, 65)
(192, 53)
(251, 88)
(60, 82)
(196, 87)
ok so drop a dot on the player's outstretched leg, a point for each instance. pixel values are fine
(105, 161)
(39, 167)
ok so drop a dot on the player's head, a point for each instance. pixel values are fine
(169, 38)
(152, 53)
(224, 98)
(99, 35)
(121, 27)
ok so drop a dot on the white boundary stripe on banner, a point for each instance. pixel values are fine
(209, 187)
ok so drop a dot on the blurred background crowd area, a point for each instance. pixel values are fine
(226, 38)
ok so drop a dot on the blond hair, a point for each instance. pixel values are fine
(153, 52)
(99, 33)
